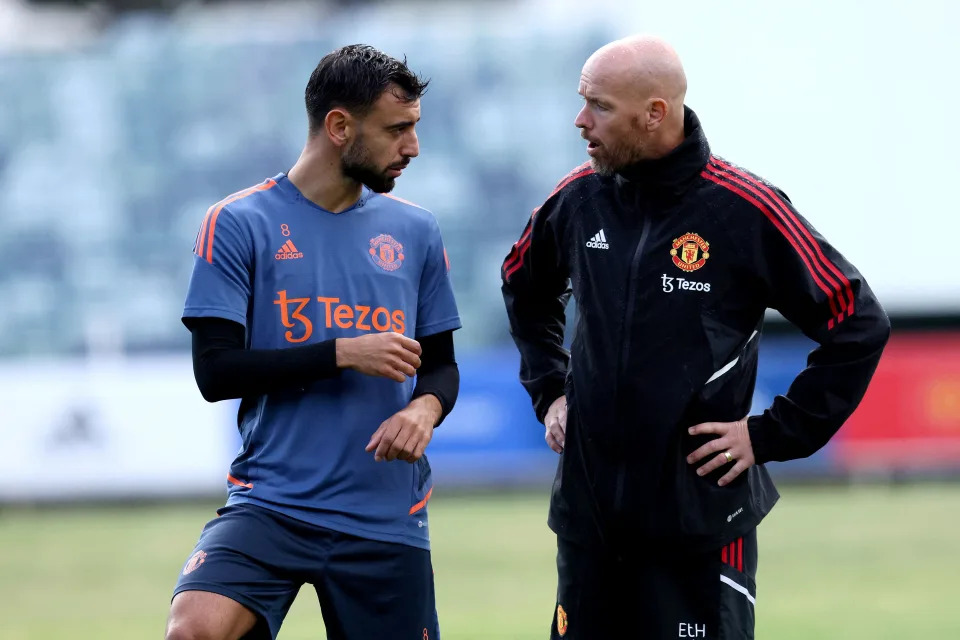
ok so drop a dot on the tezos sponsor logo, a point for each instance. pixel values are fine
(683, 284)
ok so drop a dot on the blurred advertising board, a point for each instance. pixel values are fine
(909, 421)
(910, 418)
(119, 429)
(492, 437)
(138, 428)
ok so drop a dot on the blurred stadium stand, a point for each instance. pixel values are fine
(110, 155)
(118, 128)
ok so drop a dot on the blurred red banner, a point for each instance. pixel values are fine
(910, 416)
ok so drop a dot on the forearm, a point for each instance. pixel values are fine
(429, 404)
(438, 379)
(442, 384)
(224, 369)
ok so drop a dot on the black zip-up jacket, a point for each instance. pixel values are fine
(672, 263)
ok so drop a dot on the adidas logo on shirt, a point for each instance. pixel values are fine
(598, 241)
(288, 251)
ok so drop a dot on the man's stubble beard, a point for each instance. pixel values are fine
(356, 165)
(619, 157)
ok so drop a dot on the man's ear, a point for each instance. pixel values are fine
(656, 113)
(338, 126)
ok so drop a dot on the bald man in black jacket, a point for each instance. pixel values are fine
(673, 255)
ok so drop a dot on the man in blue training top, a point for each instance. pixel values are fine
(316, 298)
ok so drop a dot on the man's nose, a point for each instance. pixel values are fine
(582, 121)
(411, 146)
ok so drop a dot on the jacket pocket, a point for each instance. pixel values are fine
(722, 370)
(732, 383)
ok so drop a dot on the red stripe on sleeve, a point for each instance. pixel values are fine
(837, 304)
(219, 207)
(840, 279)
(730, 184)
(519, 262)
(208, 252)
(515, 259)
(198, 247)
(515, 254)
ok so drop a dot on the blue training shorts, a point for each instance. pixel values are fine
(367, 589)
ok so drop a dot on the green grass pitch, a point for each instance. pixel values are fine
(861, 563)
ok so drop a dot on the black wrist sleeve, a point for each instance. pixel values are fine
(438, 373)
(224, 368)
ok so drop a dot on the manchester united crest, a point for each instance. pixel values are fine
(386, 252)
(195, 561)
(561, 620)
(690, 251)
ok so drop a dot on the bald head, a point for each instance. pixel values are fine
(634, 90)
(644, 66)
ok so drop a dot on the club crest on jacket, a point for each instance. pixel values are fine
(690, 251)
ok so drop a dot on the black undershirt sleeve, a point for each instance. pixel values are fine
(224, 368)
(438, 373)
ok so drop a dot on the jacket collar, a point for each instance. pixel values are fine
(674, 171)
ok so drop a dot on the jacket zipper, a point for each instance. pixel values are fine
(627, 313)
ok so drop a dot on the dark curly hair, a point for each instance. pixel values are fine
(354, 77)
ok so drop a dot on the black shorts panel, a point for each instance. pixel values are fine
(372, 589)
(653, 593)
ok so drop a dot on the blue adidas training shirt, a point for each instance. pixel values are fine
(293, 273)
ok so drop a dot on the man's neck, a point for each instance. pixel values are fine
(670, 140)
(320, 179)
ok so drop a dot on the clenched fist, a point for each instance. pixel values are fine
(388, 355)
